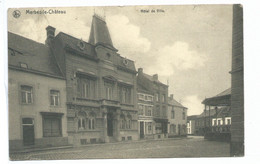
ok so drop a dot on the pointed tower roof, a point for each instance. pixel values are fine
(99, 34)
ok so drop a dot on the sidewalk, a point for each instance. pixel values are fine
(28, 150)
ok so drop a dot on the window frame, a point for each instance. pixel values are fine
(52, 96)
(26, 94)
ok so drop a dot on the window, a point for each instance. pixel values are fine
(55, 97)
(183, 115)
(81, 120)
(219, 122)
(228, 121)
(149, 98)
(164, 111)
(51, 127)
(158, 128)
(123, 122)
(26, 94)
(140, 111)
(172, 128)
(149, 128)
(148, 111)
(172, 113)
(109, 93)
(85, 87)
(158, 111)
(126, 122)
(91, 123)
(23, 65)
(124, 94)
(215, 122)
(156, 96)
(141, 97)
(163, 98)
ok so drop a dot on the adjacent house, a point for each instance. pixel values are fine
(177, 116)
(37, 96)
(100, 84)
(160, 101)
(146, 123)
(191, 124)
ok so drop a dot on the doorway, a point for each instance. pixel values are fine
(28, 131)
(141, 129)
(110, 124)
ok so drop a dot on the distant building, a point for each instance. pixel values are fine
(101, 86)
(177, 118)
(191, 124)
(160, 101)
(37, 96)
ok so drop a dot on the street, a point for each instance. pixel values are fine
(170, 148)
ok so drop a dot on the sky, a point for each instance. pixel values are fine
(189, 47)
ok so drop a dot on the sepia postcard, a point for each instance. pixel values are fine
(103, 82)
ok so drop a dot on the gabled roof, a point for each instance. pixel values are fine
(36, 56)
(149, 77)
(175, 103)
(99, 33)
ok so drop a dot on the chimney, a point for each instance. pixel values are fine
(140, 70)
(50, 34)
(155, 76)
(171, 96)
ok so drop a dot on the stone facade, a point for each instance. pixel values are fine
(101, 87)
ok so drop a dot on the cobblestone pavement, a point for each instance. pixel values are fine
(170, 148)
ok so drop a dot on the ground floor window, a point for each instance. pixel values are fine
(149, 129)
(51, 126)
(158, 128)
(172, 128)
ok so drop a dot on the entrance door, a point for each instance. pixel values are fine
(28, 131)
(142, 130)
(110, 124)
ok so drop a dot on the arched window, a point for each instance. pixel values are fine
(81, 120)
(122, 121)
(129, 122)
(91, 121)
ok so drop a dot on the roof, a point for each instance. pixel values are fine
(149, 77)
(99, 33)
(207, 113)
(72, 42)
(175, 103)
(224, 93)
(221, 99)
(193, 117)
(35, 55)
(142, 89)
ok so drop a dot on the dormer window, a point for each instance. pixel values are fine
(108, 55)
(24, 65)
(125, 62)
(81, 45)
